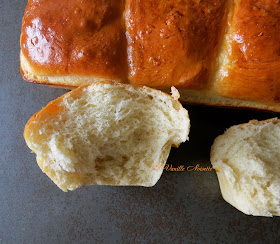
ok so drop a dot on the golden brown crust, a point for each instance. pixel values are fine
(68, 81)
(172, 42)
(169, 43)
(75, 37)
(253, 71)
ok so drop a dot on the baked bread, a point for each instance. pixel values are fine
(247, 160)
(107, 134)
(218, 52)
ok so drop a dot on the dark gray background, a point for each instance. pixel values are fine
(184, 207)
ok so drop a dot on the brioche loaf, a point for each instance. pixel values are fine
(107, 134)
(247, 160)
(219, 52)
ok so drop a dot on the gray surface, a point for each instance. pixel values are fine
(183, 207)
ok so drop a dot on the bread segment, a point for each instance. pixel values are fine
(71, 37)
(173, 42)
(247, 160)
(250, 56)
(107, 134)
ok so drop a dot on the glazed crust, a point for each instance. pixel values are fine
(173, 42)
(253, 68)
(217, 52)
(75, 37)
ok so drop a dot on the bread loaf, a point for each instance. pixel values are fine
(107, 134)
(247, 160)
(219, 52)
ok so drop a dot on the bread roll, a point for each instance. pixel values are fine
(216, 52)
(247, 160)
(70, 43)
(107, 134)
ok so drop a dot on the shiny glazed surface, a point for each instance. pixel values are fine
(224, 47)
(173, 42)
(253, 71)
(82, 37)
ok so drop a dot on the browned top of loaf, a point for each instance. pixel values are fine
(230, 48)
(83, 37)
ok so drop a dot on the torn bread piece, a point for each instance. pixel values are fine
(107, 134)
(247, 160)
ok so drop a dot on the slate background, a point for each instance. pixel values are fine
(184, 207)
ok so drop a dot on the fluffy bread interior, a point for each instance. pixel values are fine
(107, 134)
(247, 160)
